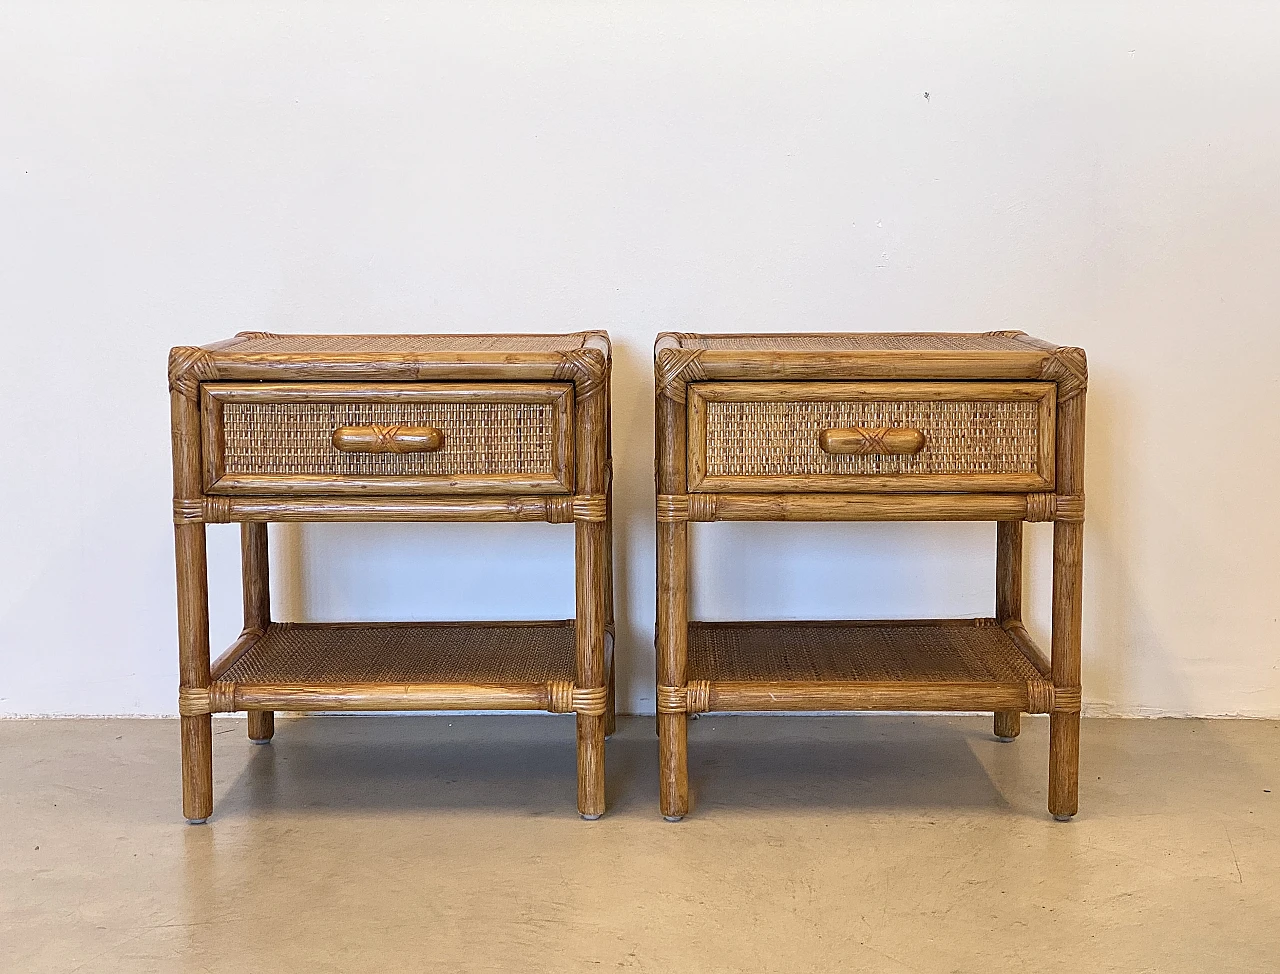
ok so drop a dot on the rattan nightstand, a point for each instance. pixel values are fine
(392, 428)
(891, 427)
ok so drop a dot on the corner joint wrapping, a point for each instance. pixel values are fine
(692, 698)
(673, 508)
(1055, 507)
(1066, 700)
(188, 367)
(583, 507)
(585, 368)
(674, 368)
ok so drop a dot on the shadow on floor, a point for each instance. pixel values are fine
(527, 765)
(848, 762)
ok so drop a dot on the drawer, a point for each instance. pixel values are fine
(387, 438)
(871, 436)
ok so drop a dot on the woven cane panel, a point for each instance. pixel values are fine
(297, 438)
(373, 653)
(871, 342)
(871, 654)
(408, 343)
(781, 438)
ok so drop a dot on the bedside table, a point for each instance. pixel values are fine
(392, 428)
(867, 427)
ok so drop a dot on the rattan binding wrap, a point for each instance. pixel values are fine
(781, 438)
(674, 368)
(297, 437)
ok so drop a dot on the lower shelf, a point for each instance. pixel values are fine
(971, 664)
(404, 666)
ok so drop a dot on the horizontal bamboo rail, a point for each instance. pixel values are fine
(760, 696)
(869, 507)
(555, 509)
(558, 697)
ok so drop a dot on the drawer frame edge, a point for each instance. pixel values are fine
(560, 479)
(1042, 392)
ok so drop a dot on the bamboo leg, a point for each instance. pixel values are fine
(255, 576)
(193, 667)
(1064, 728)
(590, 636)
(1008, 604)
(262, 726)
(610, 715)
(1008, 724)
(1068, 572)
(673, 634)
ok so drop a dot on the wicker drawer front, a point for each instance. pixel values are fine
(387, 438)
(871, 436)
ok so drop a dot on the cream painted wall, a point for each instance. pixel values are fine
(1100, 174)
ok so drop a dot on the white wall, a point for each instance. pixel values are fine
(1100, 174)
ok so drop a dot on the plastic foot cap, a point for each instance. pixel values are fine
(592, 817)
(1005, 740)
(196, 821)
(1063, 818)
(265, 740)
(672, 818)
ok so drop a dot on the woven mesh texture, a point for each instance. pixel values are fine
(803, 652)
(781, 438)
(297, 438)
(408, 343)
(408, 653)
(870, 342)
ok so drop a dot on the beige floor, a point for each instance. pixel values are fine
(816, 844)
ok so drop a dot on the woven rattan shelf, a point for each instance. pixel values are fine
(402, 666)
(406, 652)
(982, 427)
(392, 428)
(941, 665)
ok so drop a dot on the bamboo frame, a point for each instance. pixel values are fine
(691, 370)
(570, 372)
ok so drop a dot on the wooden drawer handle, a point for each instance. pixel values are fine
(860, 441)
(387, 439)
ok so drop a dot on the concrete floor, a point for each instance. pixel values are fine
(816, 844)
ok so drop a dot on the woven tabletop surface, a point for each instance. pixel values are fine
(863, 342)
(497, 653)
(321, 344)
(782, 652)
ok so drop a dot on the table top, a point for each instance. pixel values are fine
(259, 343)
(579, 357)
(682, 357)
(993, 341)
